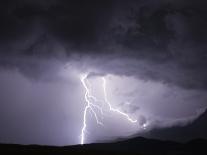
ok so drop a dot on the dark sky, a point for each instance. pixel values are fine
(152, 54)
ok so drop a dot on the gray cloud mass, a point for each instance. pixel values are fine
(44, 43)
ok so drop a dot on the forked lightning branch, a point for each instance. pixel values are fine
(91, 106)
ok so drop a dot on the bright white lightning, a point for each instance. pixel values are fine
(91, 106)
(113, 109)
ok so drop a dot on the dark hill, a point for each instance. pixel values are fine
(132, 146)
(196, 129)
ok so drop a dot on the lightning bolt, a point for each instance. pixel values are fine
(113, 109)
(91, 106)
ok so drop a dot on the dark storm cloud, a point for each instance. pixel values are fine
(162, 41)
(169, 36)
(75, 22)
(168, 33)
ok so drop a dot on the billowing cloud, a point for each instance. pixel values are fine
(154, 51)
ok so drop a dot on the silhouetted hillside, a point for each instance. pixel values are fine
(132, 146)
(197, 129)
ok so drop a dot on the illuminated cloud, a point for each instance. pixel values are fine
(152, 55)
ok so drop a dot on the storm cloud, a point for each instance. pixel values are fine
(159, 45)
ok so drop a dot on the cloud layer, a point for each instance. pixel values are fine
(161, 44)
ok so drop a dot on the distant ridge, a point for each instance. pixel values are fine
(196, 129)
(133, 146)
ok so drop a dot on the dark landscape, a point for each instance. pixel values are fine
(133, 146)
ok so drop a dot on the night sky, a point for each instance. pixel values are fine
(152, 55)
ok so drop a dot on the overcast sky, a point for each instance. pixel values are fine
(152, 55)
